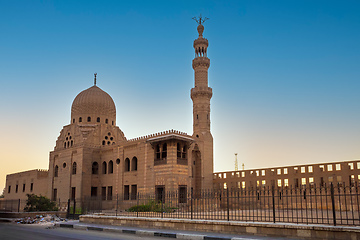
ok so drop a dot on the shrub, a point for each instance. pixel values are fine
(36, 203)
(151, 206)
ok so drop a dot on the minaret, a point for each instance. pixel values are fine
(201, 95)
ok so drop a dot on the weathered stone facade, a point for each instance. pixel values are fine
(93, 158)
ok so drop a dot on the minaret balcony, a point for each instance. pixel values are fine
(201, 91)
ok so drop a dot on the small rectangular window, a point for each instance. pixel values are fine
(24, 187)
(302, 169)
(225, 186)
(109, 193)
(351, 166)
(16, 188)
(285, 171)
(126, 192)
(238, 185)
(73, 192)
(237, 174)
(257, 183)
(263, 182)
(9, 188)
(329, 167)
(243, 184)
(358, 165)
(310, 169)
(338, 178)
(330, 179)
(262, 172)
(279, 182)
(311, 180)
(93, 191)
(303, 181)
(31, 187)
(182, 194)
(278, 171)
(54, 194)
(257, 173)
(322, 168)
(242, 174)
(220, 175)
(338, 167)
(224, 175)
(133, 192)
(286, 182)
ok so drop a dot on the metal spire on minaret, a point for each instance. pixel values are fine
(95, 78)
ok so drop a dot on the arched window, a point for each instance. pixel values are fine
(157, 152)
(80, 119)
(118, 161)
(73, 120)
(56, 171)
(134, 162)
(127, 165)
(72, 142)
(164, 151)
(103, 142)
(98, 119)
(104, 167)
(64, 144)
(89, 119)
(95, 168)
(106, 120)
(178, 150)
(74, 168)
(111, 167)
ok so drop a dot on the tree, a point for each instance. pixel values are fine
(36, 203)
(2, 194)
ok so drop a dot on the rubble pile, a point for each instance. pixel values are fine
(40, 219)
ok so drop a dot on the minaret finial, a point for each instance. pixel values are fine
(200, 20)
(95, 78)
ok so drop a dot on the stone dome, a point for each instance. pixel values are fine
(93, 105)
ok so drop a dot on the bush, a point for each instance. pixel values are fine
(151, 206)
(36, 203)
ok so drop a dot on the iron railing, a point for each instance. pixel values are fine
(310, 204)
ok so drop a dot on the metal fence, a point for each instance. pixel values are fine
(310, 204)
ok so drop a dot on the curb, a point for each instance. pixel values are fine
(146, 232)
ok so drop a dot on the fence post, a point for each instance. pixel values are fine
(68, 209)
(117, 203)
(333, 202)
(191, 201)
(74, 209)
(273, 201)
(19, 205)
(137, 203)
(228, 203)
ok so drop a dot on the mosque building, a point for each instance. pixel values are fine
(93, 158)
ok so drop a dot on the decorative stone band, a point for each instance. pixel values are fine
(201, 62)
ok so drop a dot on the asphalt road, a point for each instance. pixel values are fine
(37, 232)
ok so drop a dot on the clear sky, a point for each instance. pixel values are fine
(285, 75)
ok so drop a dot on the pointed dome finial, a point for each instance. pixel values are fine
(200, 20)
(95, 78)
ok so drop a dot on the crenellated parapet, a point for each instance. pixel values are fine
(159, 134)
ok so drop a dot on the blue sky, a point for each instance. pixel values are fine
(285, 75)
